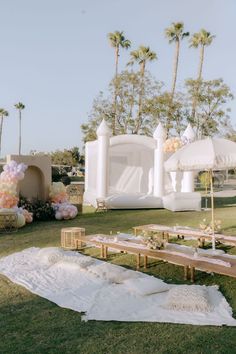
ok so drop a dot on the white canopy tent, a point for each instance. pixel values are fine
(206, 154)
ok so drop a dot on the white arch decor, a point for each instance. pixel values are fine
(127, 172)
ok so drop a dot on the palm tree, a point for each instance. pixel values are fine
(20, 106)
(3, 113)
(117, 40)
(141, 56)
(175, 34)
(201, 39)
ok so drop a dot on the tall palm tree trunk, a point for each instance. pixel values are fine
(173, 86)
(199, 77)
(19, 132)
(115, 91)
(1, 125)
(175, 70)
(195, 100)
(201, 62)
(140, 99)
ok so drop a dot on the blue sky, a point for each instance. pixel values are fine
(55, 58)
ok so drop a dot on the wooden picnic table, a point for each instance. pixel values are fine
(138, 248)
(182, 231)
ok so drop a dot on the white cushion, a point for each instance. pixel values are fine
(192, 298)
(77, 259)
(146, 286)
(112, 273)
(179, 201)
(50, 255)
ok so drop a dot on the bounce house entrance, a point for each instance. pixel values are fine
(130, 169)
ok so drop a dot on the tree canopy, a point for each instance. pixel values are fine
(212, 116)
(141, 101)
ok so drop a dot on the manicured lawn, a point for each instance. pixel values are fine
(30, 324)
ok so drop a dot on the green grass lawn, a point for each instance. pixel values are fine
(30, 324)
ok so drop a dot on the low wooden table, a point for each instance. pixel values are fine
(136, 248)
(181, 231)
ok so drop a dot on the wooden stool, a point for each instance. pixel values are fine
(71, 237)
(101, 205)
(75, 195)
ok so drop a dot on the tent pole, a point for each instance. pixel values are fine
(212, 213)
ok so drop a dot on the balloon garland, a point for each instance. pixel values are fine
(175, 143)
(57, 193)
(9, 178)
(13, 173)
(58, 196)
(172, 144)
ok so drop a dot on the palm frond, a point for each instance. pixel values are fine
(19, 106)
(175, 32)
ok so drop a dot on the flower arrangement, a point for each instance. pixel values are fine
(39, 209)
(172, 144)
(207, 226)
(153, 241)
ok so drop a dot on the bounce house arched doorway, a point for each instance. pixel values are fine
(131, 165)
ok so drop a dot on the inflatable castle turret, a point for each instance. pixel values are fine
(103, 134)
(160, 136)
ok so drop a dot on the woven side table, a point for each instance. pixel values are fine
(8, 222)
(71, 237)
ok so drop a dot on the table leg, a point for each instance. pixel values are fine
(167, 237)
(145, 262)
(201, 242)
(102, 251)
(185, 272)
(105, 252)
(192, 274)
(79, 244)
(138, 261)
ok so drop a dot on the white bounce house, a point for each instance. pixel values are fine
(127, 172)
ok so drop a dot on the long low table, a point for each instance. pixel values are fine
(181, 231)
(138, 248)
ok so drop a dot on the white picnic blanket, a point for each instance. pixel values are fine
(69, 285)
